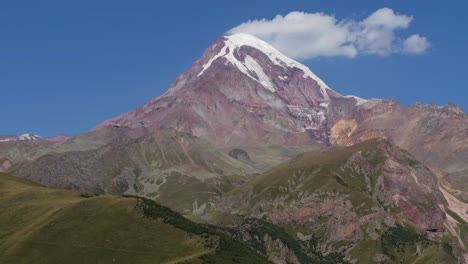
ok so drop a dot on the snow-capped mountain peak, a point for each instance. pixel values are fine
(252, 68)
(243, 90)
(22, 137)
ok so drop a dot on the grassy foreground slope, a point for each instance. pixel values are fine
(44, 225)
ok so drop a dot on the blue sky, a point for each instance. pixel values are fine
(65, 66)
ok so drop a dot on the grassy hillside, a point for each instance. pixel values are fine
(44, 225)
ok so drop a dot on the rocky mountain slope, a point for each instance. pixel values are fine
(437, 136)
(241, 92)
(349, 200)
(25, 147)
(176, 169)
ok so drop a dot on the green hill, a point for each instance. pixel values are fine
(45, 225)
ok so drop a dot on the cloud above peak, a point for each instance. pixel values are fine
(303, 35)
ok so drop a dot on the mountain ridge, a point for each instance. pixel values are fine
(435, 135)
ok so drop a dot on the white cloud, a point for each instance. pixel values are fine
(376, 34)
(415, 44)
(308, 35)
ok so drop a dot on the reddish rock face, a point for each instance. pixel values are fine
(412, 186)
(435, 135)
(242, 91)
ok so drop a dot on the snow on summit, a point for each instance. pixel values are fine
(22, 137)
(249, 66)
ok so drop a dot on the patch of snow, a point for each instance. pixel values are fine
(324, 104)
(22, 137)
(309, 118)
(224, 51)
(28, 137)
(359, 100)
(273, 101)
(283, 78)
(263, 79)
(248, 67)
